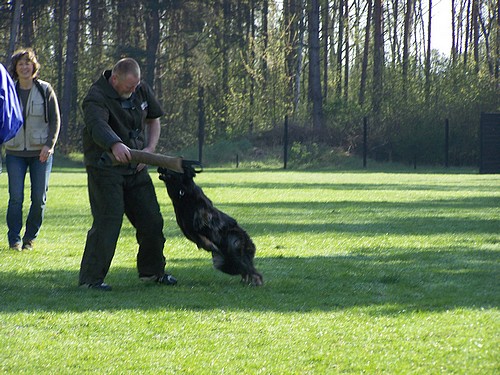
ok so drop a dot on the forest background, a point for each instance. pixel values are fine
(232, 70)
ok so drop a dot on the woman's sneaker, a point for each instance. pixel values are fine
(28, 245)
(16, 246)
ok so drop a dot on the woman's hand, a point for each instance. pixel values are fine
(45, 152)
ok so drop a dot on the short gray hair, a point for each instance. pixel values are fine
(127, 66)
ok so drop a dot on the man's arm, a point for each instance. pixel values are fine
(152, 132)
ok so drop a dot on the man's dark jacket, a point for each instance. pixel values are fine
(110, 119)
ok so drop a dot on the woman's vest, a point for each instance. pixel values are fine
(33, 134)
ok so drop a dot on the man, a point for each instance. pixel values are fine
(121, 113)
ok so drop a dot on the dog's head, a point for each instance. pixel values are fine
(180, 184)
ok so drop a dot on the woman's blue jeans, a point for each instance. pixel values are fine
(17, 166)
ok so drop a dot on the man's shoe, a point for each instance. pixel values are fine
(16, 246)
(167, 280)
(28, 245)
(97, 286)
(163, 280)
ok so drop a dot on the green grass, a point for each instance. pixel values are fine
(365, 272)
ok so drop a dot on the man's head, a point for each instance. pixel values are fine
(125, 77)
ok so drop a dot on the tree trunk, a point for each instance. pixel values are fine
(265, 41)
(378, 61)
(300, 47)
(364, 66)
(497, 62)
(251, 44)
(314, 67)
(340, 48)
(486, 34)
(324, 33)
(406, 45)
(453, 34)
(467, 34)
(60, 13)
(226, 18)
(346, 46)
(152, 40)
(69, 69)
(428, 57)
(395, 49)
(292, 11)
(14, 30)
(475, 33)
(27, 23)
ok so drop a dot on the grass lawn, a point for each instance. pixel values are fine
(365, 272)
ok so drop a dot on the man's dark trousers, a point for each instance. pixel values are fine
(111, 195)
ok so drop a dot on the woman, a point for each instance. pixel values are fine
(32, 148)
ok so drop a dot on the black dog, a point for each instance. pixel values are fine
(209, 228)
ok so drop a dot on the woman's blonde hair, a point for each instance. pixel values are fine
(27, 53)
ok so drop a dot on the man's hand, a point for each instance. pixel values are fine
(121, 153)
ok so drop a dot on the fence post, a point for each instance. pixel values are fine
(285, 143)
(201, 122)
(446, 143)
(365, 138)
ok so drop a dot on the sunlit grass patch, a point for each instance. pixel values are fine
(364, 272)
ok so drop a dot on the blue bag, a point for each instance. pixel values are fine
(11, 114)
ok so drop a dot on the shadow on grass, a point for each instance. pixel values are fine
(390, 283)
(368, 218)
(344, 186)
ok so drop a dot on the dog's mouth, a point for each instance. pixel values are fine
(191, 169)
